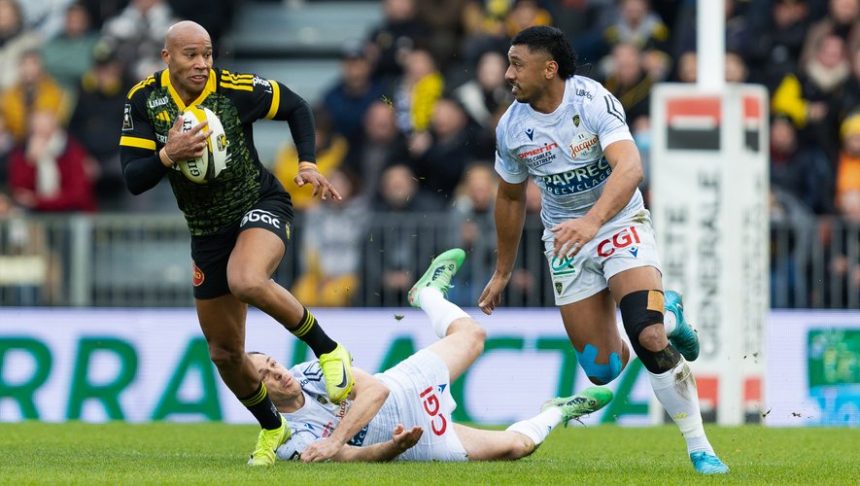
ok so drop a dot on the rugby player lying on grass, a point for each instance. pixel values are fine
(405, 412)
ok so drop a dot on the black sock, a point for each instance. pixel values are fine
(262, 408)
(309, 331)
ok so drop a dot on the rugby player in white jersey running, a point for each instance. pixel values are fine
(570, 135)
(405, 412)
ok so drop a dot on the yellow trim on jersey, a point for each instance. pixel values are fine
(146, 82)
(276, 99)
(237, 87)
(236, 78)
(137, 142)
(207, 90)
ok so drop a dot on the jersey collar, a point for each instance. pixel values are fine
(207, 90)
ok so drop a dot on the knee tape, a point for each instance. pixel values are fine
(639, 310)
(599, 374)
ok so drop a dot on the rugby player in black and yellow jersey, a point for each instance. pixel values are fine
(240, 220)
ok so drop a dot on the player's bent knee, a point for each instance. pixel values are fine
(599, 373)
(248, 288)
(226, 357)
(640, 311)
(653, 337)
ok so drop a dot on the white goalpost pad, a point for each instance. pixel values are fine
(709, 200)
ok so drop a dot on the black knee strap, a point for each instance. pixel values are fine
(639, 310)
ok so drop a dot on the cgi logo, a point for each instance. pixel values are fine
(622, 239)
(430, 401)
(256, 215)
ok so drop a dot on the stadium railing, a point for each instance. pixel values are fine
(116, 260)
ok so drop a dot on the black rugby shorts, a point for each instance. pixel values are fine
(212, 252)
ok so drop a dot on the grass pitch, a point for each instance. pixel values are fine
(168, 453)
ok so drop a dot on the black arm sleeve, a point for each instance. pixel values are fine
(143, 172)
(301, 120)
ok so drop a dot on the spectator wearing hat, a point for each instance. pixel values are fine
(349, 99)
(848, 172)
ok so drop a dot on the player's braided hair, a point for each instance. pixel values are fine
(552, 41)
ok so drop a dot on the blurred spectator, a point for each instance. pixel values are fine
(138, 33)
(440, 156)
(34, 91)
(484, 31)
(738, 34)
(848, 170)
(331, 151)
(15, 39)
(214, 15)
(69, 55)
(637, 24)
(393, 271)
(474, 230)
(399, 33)
(332, 242)
(849, 99)
(736, 68)
(101, 98)
(686, 71)
(629, 82)
(842, 20)
(807, 96)
(485, 98)
(442, 17)
(798, 169)
(380, 146)
(348, 100)
(51, 171)
(780, 34)
(417, 91)
(103, 10)
(525, 14)
(848, 203)
(398, 192)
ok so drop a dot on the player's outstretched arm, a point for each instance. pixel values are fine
(402, 439)
(369, 395)
(510, 215)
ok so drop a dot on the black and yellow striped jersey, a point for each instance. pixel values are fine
(238, 100)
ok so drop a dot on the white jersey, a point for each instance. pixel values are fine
(419, 395)
(563, 150)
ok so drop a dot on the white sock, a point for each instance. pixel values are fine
(539, 426)
(669, 321)
(441, 312)
(677, 392)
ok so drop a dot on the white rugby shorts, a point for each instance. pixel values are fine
(625, 242)
(421, 388)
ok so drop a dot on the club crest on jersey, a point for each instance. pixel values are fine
(576, 120)
(558, 287)
(530, 132)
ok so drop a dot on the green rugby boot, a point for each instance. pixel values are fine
(439, 274)
(585, 402)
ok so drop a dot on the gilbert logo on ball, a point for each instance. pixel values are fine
(205, 168)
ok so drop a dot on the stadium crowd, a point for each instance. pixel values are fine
(409, 126)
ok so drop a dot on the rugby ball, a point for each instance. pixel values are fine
(205, 168)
